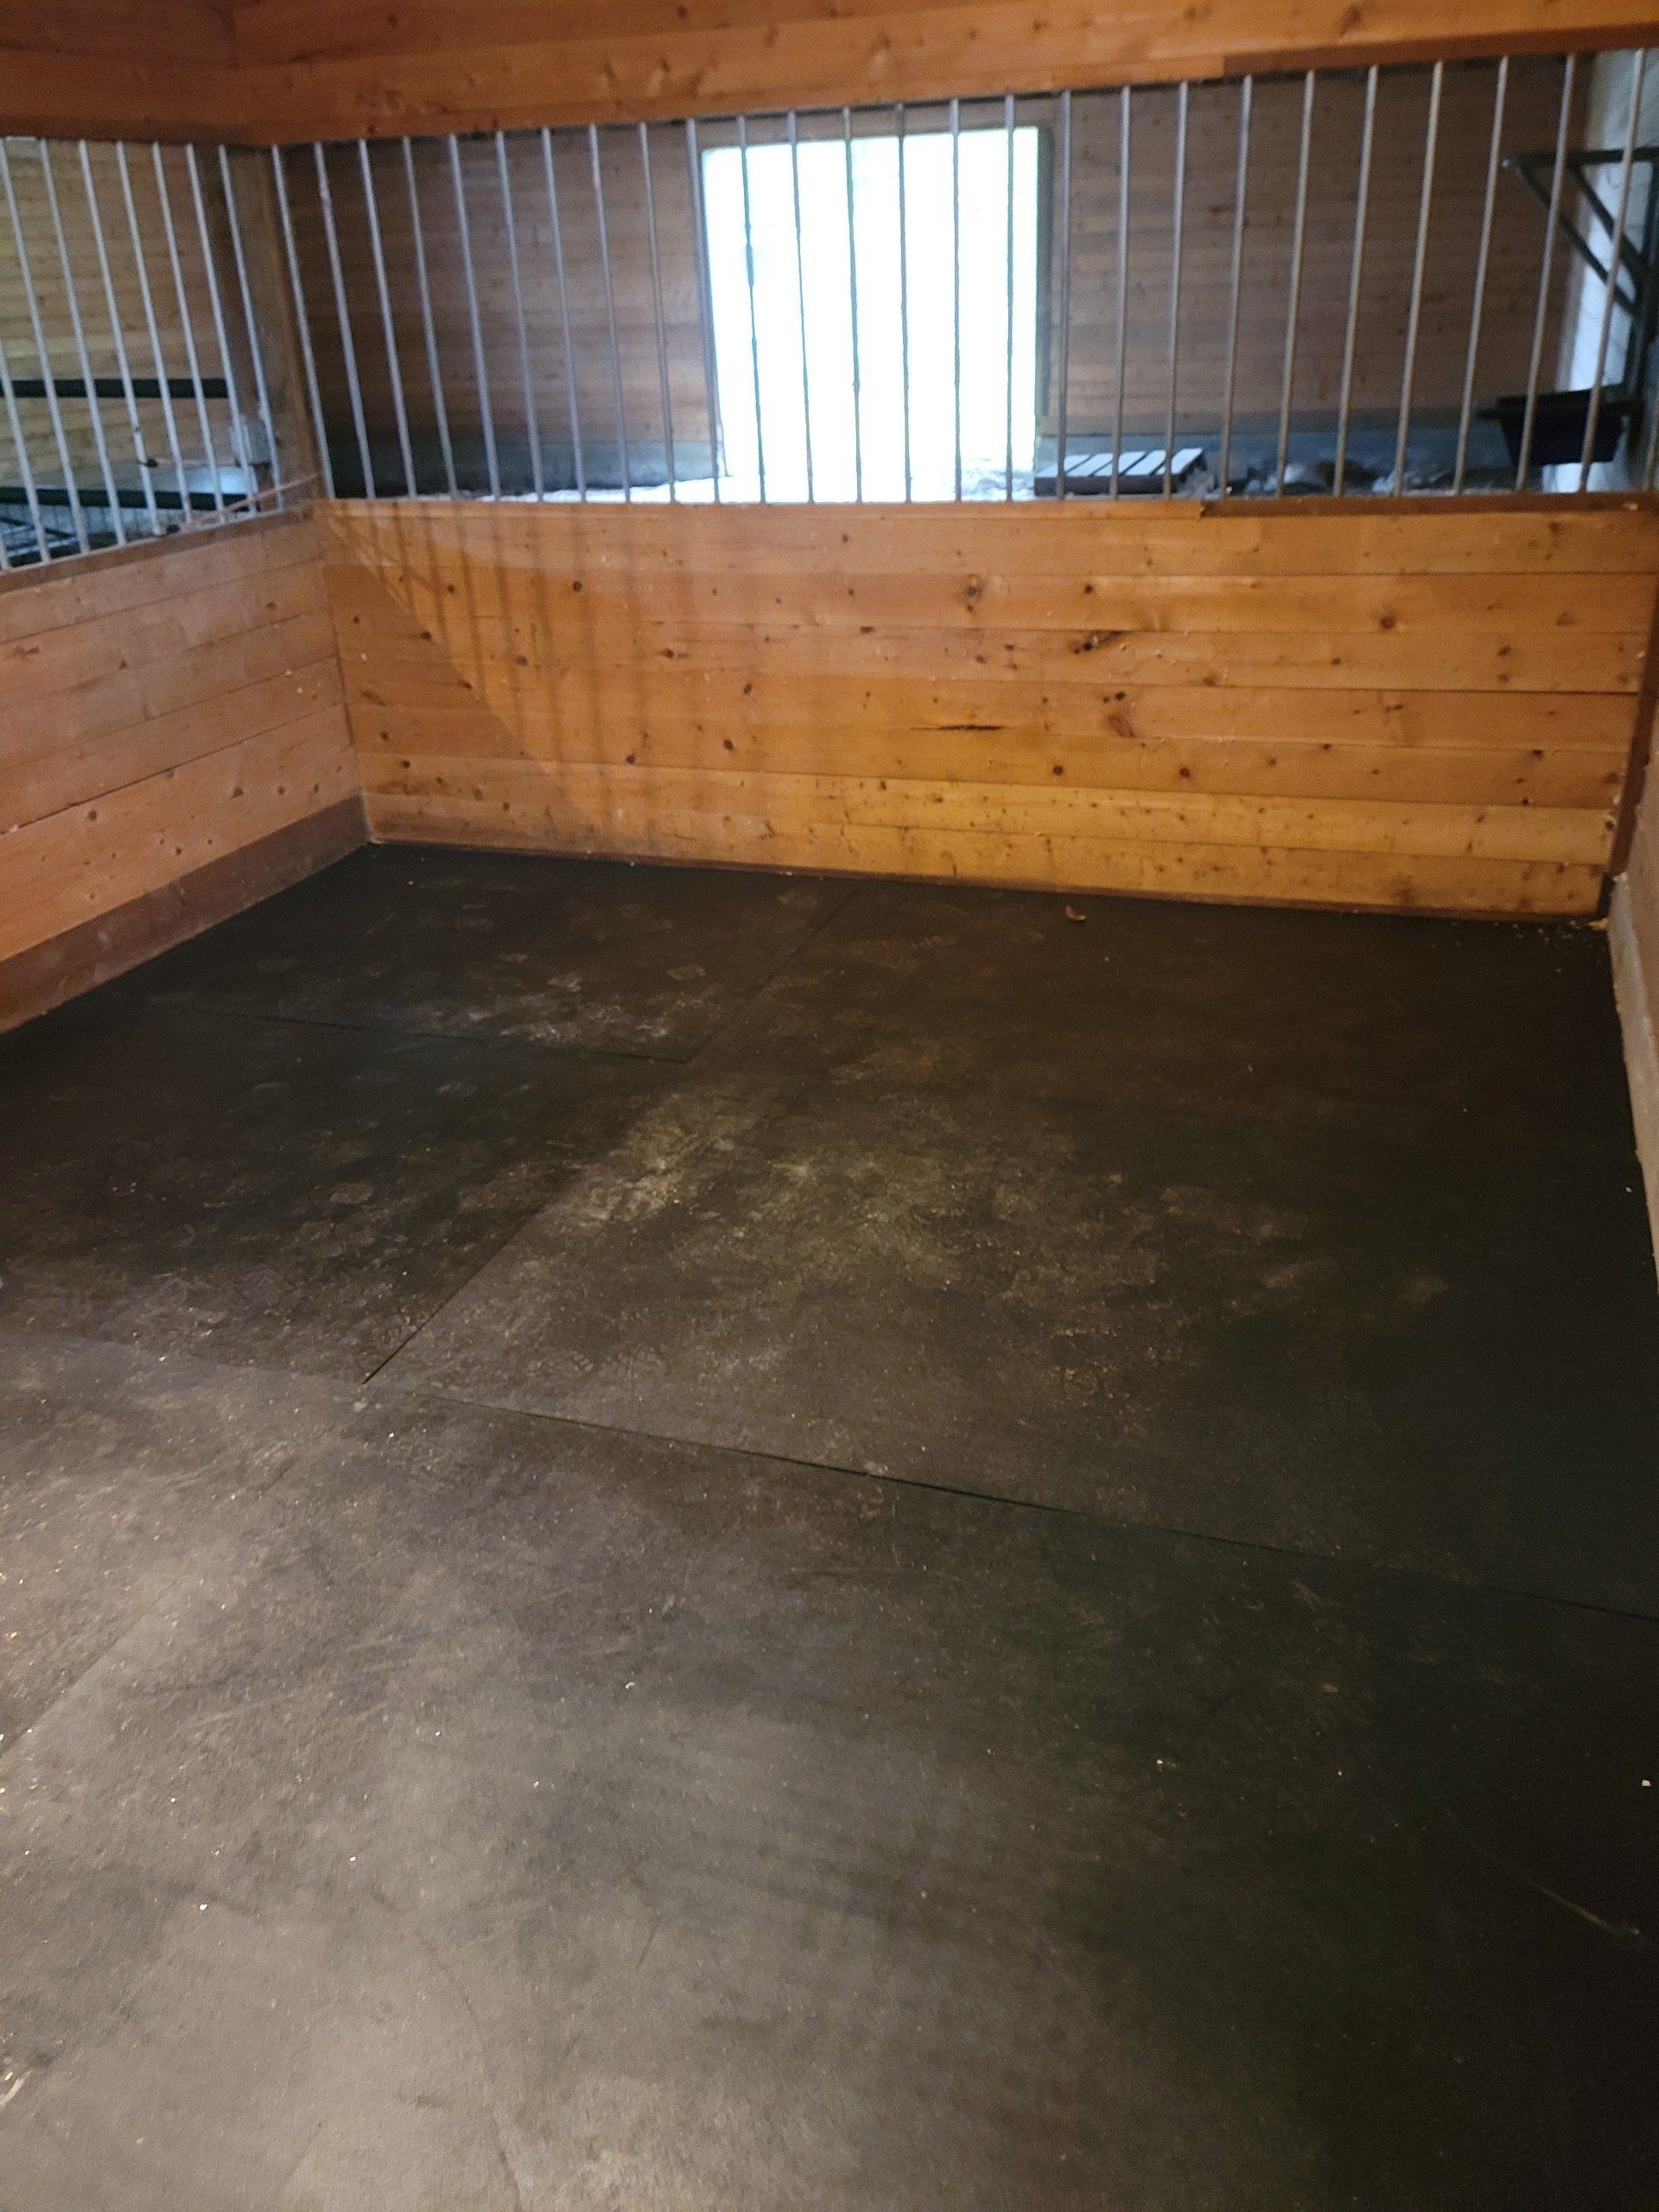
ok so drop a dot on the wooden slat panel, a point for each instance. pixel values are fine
(1487, 604)
(513, 708)
(1409, 707)
(70, 866)
(503, 63)
(1476, 774)
(34, 671)
(1526, 659)
(1291, 878)
(572, 792)
(64, 774)
(175, 704)
(1384, 537)
(298, 69)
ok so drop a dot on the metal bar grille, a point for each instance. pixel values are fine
(1411, 279)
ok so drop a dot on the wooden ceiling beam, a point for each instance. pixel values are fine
(300, 69)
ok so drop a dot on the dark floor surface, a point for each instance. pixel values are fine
(705, 1543)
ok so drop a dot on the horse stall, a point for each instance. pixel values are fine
(829, 1343)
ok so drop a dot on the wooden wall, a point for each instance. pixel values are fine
(114, 68)
(342, 68)
(172, 746)
(1633, 930)
(1387, 706)
(276, 70)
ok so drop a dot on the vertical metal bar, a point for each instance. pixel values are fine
(1177, 218)
(1356, 273)
(955, 277)
(117, 339)
(800, 295)
(532, 425)
(1124, 151)
(30, 301)
(657, 308)
(852, 282)
(78, 329)
(147, 300)
(754, 328)
(1299, 234)
(25, 470)
(487, 418)
(577, 463)
(1241, 187)
(256, 351)
(705, 305)
(1482, 262)
(903, 293)
(1063, 360)
(429, 329)
(394, 367)
(347, 344)
(1419, 264)
(187, 327)
(239, 449)
(610, 309)
(1615, 258)
(1563, 121)
(1007, 248)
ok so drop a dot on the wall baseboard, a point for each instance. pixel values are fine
(94, 952)
(1635, 987)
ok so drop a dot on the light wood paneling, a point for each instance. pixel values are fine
(160, 709)
(269, 71)
(1634, 934)
(316, 69)
(1387, 706)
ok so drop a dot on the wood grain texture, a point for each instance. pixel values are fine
(1633, 935)
(161, 709)
(1385, 706)
(91, 953)
(316, 70)
(274, 71)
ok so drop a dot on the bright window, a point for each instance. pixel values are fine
(999, 313)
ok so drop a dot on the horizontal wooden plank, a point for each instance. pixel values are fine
(787, 798)
(629, 697)
(1362, 880)
(320, 71)
(85, 860)
(1471, 775)
(466, 590)
(1074, 537)
(62, 774)
(127, 696)
(651, 62)
(1536, 660)
(81, 958)
(95, 587)
(34, 670)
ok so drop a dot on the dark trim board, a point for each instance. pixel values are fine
(34, 982)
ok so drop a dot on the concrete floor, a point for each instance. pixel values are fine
(686, 1542)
